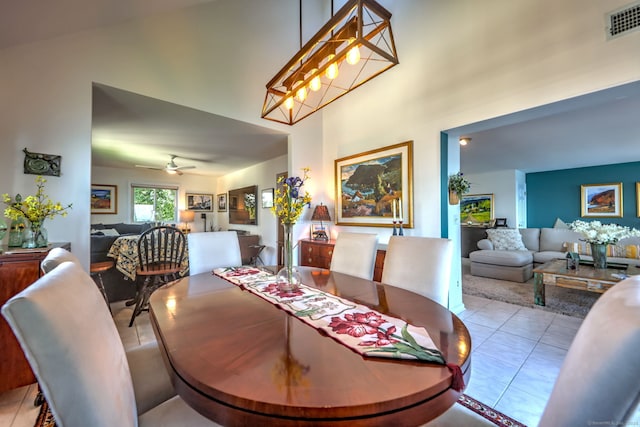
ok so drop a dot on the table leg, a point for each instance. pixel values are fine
(538, 288)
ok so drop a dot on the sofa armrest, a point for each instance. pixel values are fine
(485, 244)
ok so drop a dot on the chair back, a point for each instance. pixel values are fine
(74, 349)
(355, 254)
(161, 250)
(213, 250)
(57, 256)
(598, 381)
(421, 265)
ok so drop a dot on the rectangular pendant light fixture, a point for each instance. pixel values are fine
(353, 47)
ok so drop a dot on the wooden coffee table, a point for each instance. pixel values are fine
(585, 277)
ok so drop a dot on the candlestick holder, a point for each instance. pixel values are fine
(395, 231)
(400, 232)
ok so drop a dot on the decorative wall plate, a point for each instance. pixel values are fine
(41, 164)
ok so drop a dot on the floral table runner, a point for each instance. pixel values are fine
(356, 326)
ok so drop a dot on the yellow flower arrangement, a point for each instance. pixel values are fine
(288, 203)
(34, 208)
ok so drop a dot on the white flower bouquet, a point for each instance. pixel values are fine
(604, 234)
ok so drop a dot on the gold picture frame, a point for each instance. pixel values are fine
(601, 200)
(104, 199)
(368, 185)
(638, 199)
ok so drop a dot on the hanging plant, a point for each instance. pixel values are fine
(458, 185)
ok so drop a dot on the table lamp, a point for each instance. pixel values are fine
(186, 217)
(320, 213)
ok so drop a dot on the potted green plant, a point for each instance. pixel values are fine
(458, 185)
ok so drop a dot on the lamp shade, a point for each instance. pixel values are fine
(320, 213)
(187, 216)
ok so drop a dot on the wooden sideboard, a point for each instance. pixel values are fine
(317, 253)
(19, 268)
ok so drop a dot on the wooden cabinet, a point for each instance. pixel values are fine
(18, 269)
(317, 253)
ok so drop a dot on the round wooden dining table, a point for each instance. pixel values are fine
(242, 361)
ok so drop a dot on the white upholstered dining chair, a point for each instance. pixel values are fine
(421, 265)
(213, 250)
(76, 354)
(355, 254)
(57, 256)
(598, 381)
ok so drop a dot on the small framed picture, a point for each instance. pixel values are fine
(601, 200)
(267, 198)
(199, 202)
(500, 222)
(319, 232)
(104, 199)
(222, 202)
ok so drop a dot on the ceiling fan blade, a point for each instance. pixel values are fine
(179, 168)
(149, 167)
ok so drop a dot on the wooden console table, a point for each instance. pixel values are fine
(19, 268)
(585, 277)
(318, 253)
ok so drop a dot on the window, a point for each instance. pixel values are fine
(154, 203)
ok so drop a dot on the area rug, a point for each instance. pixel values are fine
(45, 418)
(571, 302)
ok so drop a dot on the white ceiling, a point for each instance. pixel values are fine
(601, 128)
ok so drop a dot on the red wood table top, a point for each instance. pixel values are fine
(240, 360)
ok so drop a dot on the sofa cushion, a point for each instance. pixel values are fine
(506, 239)
(531, 238)
(501, 257)
(553, 239)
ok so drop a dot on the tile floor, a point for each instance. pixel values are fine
(517, 353)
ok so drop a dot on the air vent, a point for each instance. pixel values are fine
(623, 21)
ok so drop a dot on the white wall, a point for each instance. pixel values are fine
(508, 56)
(264, 176)
(124, 178)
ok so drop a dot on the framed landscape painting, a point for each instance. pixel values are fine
(104, 199)
(372, 186)
(601, 200)
(200, 202)
(476, 209)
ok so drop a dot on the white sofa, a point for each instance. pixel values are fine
(542, 245)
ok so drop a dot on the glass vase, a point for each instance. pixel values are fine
(599, 255)
(288, 277)
(35, 236)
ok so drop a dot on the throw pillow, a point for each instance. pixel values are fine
(508, 239)
(110, 232)
(632, 251)
(561, 224)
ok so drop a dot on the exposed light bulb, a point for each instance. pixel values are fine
(464, 141)
(353, 56)
(315, 84)
(301, 93)
(288, 103)
(332, 71)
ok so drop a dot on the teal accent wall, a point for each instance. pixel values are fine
(444, 182)
(556, 194)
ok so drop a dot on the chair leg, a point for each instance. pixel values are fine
(100, 285)
(139, 300)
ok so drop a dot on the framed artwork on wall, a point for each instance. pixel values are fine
(267, 198)
(222, 202)
(370, 184)
(199, 202)
(601, 200)
(476, 209)
(638, 199)
(104, 199)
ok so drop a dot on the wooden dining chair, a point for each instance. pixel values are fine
(419, 264)
(355, 254)
(78, 358)
(598, 380)
(161, 252)
(213, 250)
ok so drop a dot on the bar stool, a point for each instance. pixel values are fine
(96, 269)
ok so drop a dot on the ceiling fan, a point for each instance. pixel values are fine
(170, 168)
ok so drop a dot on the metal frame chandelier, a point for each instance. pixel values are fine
(353, 47)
